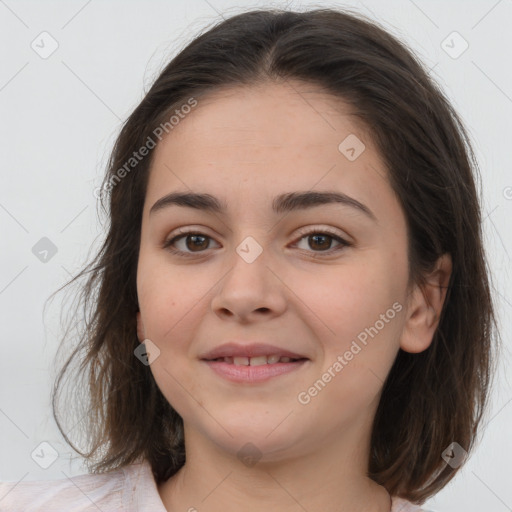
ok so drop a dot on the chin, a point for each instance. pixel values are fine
(250, 446)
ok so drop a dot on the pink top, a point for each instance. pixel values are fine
(129, 489)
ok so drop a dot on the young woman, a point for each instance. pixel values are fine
(291, 309)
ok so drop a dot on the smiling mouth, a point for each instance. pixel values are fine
(257, 360)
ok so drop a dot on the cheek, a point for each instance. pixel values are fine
(361, 311)
(170, 303)
(168, 296)
(348, 298)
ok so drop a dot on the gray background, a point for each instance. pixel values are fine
(60, 115)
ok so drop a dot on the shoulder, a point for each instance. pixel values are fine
(83, 492)
(401, 505)
(130, 488)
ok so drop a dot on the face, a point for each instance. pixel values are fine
(324, 280)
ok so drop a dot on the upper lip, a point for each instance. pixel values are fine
(235, 349)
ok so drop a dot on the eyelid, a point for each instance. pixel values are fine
(323, 229)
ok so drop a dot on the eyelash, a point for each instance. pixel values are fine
(343, 243)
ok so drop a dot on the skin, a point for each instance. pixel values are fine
(245, 146)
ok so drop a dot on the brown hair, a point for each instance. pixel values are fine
(429, 399)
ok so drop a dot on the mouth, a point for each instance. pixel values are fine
(251, 354)
(257, 360)
(254, 370)
(250, 363)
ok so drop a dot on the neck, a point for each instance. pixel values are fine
(329, 475)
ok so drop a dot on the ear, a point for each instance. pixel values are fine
(140, 328)
(424, 308)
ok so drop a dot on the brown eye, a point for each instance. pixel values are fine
(196, 242)
(188, 244)
(191, 242)
(321, 242)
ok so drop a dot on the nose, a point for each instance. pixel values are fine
(250, 291)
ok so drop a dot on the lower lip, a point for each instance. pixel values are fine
(246, 373)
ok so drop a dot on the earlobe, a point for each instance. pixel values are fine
(140, 328)
(425, 307)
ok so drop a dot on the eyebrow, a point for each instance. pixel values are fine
(287, 202)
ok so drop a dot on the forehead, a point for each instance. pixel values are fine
(288, 116)
(268, 139)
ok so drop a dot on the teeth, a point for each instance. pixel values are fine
(256, 361)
